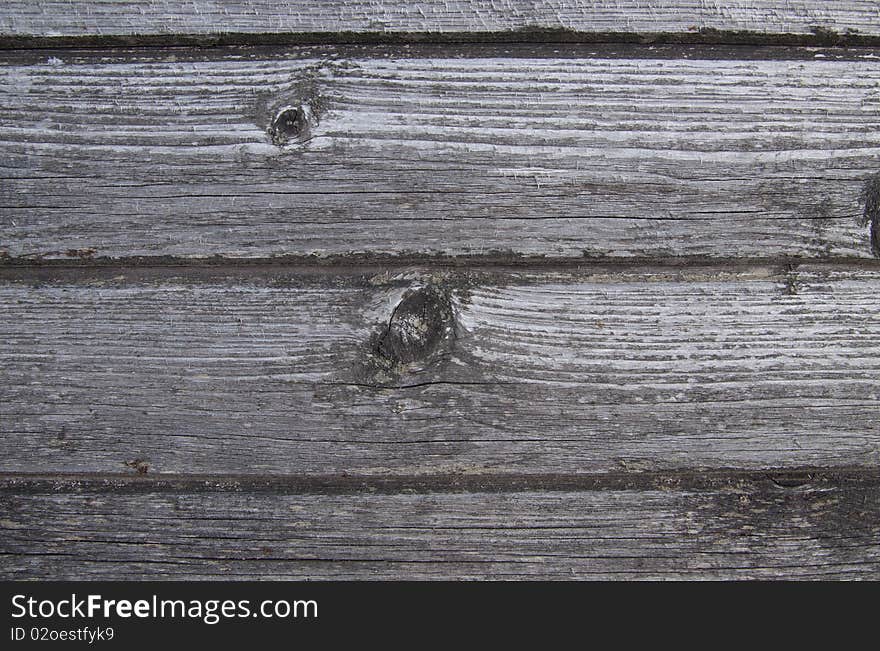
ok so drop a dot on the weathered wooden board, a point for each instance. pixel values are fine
(455, 151)
(482, 307)
(747, 531)
(175, 17)
(265, 370)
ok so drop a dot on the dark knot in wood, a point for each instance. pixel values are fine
(421, 322)
(871, 199)
(292, 123)
(140, 466)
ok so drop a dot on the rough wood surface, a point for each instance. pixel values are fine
(102, 17)
(178, 371)
(741, 532)
(405, 369)
(454, 151)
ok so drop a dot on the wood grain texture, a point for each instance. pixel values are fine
(759, 533)
(103, 17)
(534, 155)
(276, 373)
(307, 419)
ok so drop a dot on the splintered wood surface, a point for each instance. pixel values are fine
(743, 531)
(439, 290)
(535, 151)
(460, 17)
(270, 372)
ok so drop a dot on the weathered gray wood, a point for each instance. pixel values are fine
(456, 151)
(272, 371)
(61, 17)
(742, 532)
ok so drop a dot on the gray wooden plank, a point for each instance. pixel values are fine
(744, 532)
(455, 151)
(134, 17)
(412, 371)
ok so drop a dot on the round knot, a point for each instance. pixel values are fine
(419, 324)
(291, 123)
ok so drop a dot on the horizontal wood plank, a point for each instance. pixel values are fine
(738, 533)
(449, 152)
(270, 371)
(137, 17)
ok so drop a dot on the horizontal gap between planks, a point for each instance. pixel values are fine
(158, 267)
(84, 54)
(811, 478)
(819, 37)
